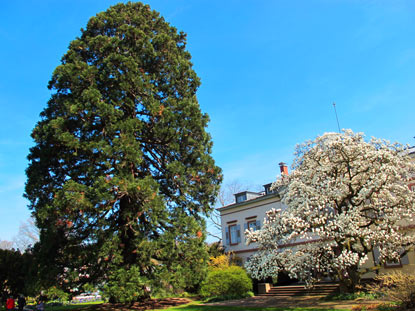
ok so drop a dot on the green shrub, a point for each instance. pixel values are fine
(88, 288)
(30, 300)
(230, 281)
(53, 293)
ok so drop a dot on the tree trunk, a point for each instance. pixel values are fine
(349, 279)
(126, 234)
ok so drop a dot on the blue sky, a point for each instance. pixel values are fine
(270, 72)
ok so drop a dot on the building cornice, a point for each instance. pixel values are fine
(248, 202)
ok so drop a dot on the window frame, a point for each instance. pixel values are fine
(242, 197)
(252, 221)
(392, 264)
(231, 242)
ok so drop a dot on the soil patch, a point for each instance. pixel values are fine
(292, 302)
(149, 304)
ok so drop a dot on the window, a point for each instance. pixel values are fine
(393, 264)
(240, 198)
(267, 189)
(233, 234)
(404, 260)
(252, 225)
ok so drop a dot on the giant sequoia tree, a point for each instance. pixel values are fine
(121, 173)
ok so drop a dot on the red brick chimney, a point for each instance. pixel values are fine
(283, 168)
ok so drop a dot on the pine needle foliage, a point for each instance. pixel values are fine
(121, 175)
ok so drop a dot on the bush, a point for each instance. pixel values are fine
(397, 287)
(54, 293)
(219, 262)
(232, 282)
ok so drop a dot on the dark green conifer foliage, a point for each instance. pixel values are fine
(14, 273)
(121, 172)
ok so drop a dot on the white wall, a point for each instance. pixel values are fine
(240, 212)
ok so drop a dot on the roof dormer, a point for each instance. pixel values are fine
(245, 196)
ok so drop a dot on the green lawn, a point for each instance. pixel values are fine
(195, 306)
(73, 307)
(221, 308)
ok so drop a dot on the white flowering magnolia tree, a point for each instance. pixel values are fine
(344, 197)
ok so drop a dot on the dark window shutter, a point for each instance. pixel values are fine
(258, 224)
(238, 233)
(405, 260)
(227, 235)
(376, 255)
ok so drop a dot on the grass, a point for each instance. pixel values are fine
(73, 307)
(228, 297)
(195, 306)
(351, 296)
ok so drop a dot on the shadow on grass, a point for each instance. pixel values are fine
(74, 307)
(175, 304)
(151, 304)
(198, 307)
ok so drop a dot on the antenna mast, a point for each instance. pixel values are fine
(335, 112)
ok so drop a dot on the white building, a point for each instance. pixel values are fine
(248, 211)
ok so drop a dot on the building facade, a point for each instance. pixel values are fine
(248, 212)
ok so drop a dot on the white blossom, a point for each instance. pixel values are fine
(345, 196)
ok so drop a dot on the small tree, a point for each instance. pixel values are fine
(215, 249)
(15, 272)
(345, 197)
(27, 236)
(7, 245)
(225, 196)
